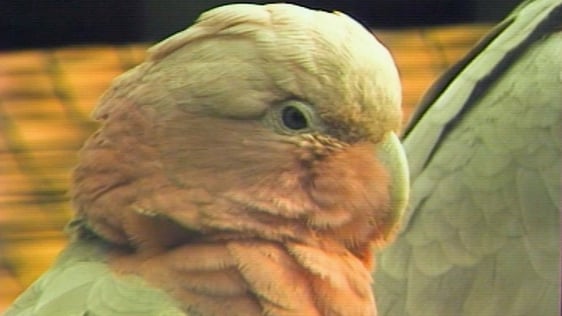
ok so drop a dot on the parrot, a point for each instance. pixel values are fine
(249, 166)
(481, 235)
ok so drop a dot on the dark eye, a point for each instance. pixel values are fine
(293, 118)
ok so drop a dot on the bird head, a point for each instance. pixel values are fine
(273, 122)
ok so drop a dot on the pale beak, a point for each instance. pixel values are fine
(391, 154)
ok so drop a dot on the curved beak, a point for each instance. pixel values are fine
(391, 154)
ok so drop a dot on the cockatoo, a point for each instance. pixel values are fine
(249, 166)
(482, 234)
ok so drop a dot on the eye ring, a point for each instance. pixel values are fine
(293, 118)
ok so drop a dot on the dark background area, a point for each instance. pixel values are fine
(49, 23)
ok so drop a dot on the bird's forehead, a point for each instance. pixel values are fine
(335, 63)
(351, 80)
(327, 59)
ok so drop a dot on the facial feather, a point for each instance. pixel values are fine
(192, 153)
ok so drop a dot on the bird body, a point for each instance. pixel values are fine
(248, 167)
(482, 235)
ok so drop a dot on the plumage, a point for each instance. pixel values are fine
(482, 233)
(248, 167)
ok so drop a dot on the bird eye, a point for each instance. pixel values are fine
(293, 118)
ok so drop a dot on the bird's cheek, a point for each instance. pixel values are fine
(350, 187)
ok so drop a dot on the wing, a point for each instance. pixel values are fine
(80, 283)
(482, 236)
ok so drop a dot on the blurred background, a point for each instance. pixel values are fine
(58, 56)
(51, 23)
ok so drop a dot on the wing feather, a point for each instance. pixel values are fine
(482, 236)
(80, 284)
